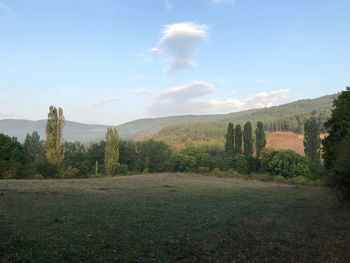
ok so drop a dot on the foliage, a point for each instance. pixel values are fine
(230, 140)
(339, 179)
(111, 151)
(338, 126)
(54, 129)
(10, 149)
(248, 139)
(122, 169)
(289, 164)
(312, 142)
(77, 161)
(239, 163)
(95, 153)
(238, 139)
(33, 147)
(260, 138)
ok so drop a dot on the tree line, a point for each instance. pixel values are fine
(243, 152)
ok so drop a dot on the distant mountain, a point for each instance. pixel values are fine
(86, 133)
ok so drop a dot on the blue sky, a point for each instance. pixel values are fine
(109, 62)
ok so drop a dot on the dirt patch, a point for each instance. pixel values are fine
(287, 141)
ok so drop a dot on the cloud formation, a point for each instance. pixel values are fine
(184, 100)
(179, 43)
(142, 91)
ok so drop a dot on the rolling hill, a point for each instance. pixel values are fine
(88, 133)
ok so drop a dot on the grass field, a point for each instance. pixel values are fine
(170, 218)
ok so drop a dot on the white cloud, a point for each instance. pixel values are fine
(142, 91)
(183, 100)
(223, 2)
(179, 43)
(139, 77)
(260, 80)
(6, 13)
(102, 102)
(168, 5)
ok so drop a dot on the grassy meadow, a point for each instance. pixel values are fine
(170, 218)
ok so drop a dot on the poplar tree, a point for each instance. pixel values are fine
(238, 139)
(54, 129)
(230, 140)
(248, 139)
(312, 142)
(111, 151)
(260, 138)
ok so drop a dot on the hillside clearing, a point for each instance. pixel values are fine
(170, 218)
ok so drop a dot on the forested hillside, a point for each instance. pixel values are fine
(287, 117)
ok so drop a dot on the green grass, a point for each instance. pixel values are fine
(170, 218)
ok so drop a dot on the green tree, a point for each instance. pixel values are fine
(248, 139)
(238, 139)
(54, 130)
(260, 138)
(96, 153)
(336, 145)
(33, 147)
(337, 127)
(230, 140)
(10, 149)
(312, 142)
(111, 151)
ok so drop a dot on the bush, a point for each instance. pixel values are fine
(240, 163)
(216, 171)
(145, 171)
(289, 164)
(122, 169)
(279, 179)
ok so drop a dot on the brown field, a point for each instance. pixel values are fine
(287, 141)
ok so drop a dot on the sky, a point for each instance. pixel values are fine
(110, 62)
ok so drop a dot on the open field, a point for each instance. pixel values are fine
(170, 218)
(287, 141)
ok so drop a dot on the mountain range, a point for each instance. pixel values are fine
(88, 133)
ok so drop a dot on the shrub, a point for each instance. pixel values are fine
(289, 164)
(145, 171)
(216, 171)
(240, 163)
(279, 179)
(122, 169)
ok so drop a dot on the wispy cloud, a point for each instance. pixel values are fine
(184, 100)
(102, 102)
(223, 2)
(142, 91)
(168, 5)
(179, 43)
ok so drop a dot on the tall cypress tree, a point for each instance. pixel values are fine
(111, 151)
(312, 142)
(248, 139)
(260, 138)
(230, 141)
(238, 139)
